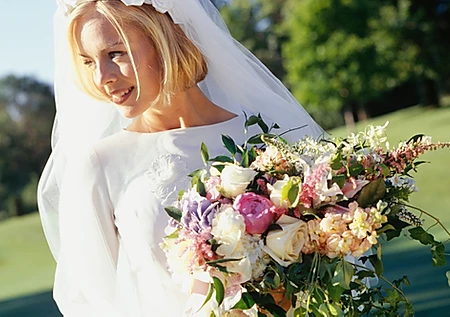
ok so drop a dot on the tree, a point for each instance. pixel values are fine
(338, 59)
(429, 29)
(26, 112)
(255, 24)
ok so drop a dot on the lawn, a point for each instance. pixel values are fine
(26, 265)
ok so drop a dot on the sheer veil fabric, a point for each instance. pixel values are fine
(237, 81)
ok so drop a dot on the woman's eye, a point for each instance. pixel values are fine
(88, 63)
(116, 54)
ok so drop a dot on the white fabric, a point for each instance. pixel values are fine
(111, 211)
(112, 221)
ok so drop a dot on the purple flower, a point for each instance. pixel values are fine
(198, 212)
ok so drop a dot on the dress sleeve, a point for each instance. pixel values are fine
(86, 269)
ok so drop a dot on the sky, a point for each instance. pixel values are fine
(26, 37)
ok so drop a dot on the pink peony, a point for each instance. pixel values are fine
(258, 211)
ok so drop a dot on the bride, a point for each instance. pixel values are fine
(152, 80)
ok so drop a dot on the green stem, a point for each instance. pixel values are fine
(384, 279)
(433, 217)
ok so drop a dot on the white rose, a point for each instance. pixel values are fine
(242, 267)
(285, 245)
(276, 191)
(235, 180)
(228, 227)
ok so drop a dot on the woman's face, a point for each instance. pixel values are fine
(105, 55)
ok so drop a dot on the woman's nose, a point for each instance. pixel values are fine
(105, 74)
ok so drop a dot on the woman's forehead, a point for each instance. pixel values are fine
(96, 32)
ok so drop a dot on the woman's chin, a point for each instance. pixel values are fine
(127, 112)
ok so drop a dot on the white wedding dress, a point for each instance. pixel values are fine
(112, 221)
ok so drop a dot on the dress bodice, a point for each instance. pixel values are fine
(137, 175)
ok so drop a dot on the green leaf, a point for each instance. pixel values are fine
(256, 139)
(385, 228)
(377, 264)
(343, 275)
(327, 309)
(418, 233)
(204, 153)
(201, 188)
(275, 310)
(197, 173)
(263, 125)
(405, 280)
(220, 290)
(437, 254)
(349, 272)
(293, 195)
(222, 159)
(245, 302)
(229, 144)
(271, 280)
(244, 161)
(335, 292)
(340, 180)
(355, 169)
(300, 312)
(252, 120)
(337, 164)
(208, 296)
(385, 170)
(372, 193)
(174, 213)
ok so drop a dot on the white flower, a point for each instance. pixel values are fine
(179, 257)
(276, 191)
(403, 181)
(160, 5)
(325, 193)
(235, 180)
(285, 245)
(228, 227)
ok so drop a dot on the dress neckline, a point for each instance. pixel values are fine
(185, 129)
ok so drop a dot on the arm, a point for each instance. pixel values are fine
(86, 271)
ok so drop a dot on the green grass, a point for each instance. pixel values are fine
(26, 265)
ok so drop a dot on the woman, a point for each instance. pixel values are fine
(177, 77)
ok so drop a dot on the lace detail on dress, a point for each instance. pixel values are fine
(168, 174)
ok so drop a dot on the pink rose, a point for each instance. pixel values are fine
(258, 212)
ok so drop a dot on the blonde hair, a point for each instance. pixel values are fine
(182, 64)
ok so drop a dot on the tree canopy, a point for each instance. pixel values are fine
(26, 113)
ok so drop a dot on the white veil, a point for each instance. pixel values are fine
(236, 81)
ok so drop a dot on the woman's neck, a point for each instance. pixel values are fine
(188, 109)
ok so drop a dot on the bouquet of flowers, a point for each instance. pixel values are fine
(280, 229)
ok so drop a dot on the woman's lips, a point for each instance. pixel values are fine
(120, 97)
